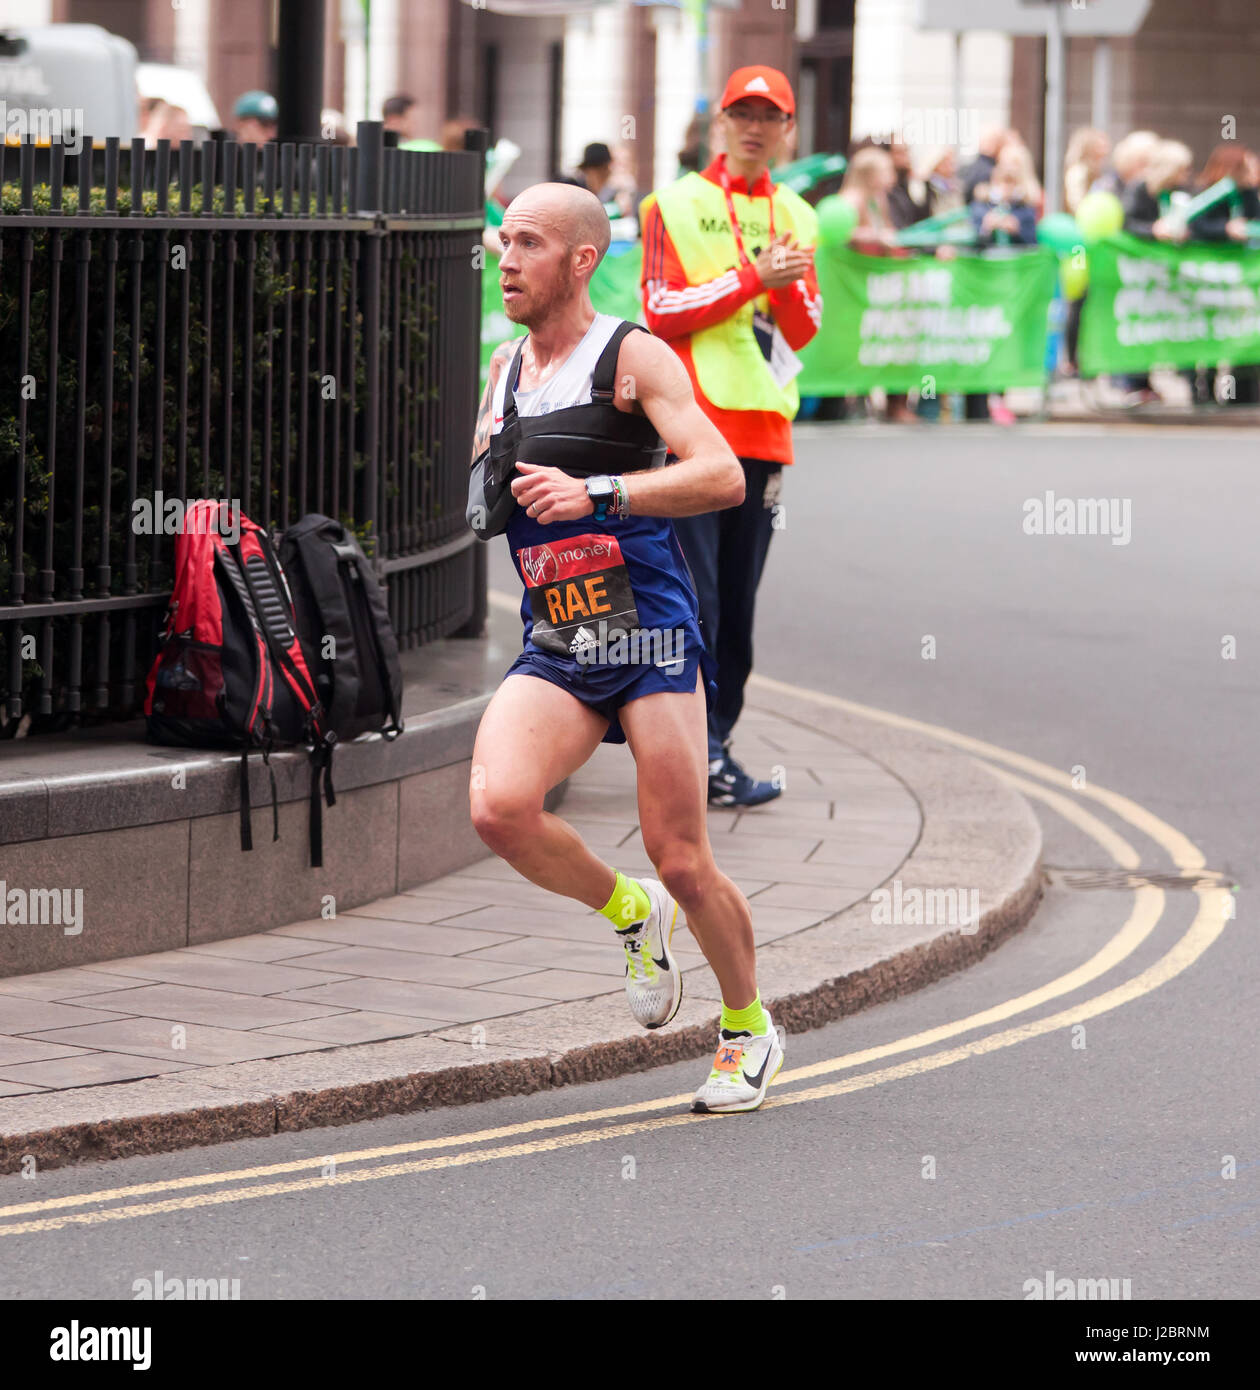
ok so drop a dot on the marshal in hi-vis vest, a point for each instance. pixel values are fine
(729, 364)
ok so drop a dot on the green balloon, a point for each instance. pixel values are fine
(1099, 215)
(837, 220)
(1060, 232)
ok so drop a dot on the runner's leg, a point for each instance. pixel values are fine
(667, 734)
(532, 736)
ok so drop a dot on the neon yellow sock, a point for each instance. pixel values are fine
(629, 903)
(750, 1020)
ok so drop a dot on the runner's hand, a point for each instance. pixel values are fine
(549, 495)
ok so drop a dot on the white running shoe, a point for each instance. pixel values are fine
(653, 979)
(744, 1066)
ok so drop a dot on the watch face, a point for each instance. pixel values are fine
(598, 489)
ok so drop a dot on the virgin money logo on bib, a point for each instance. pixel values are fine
(582, 580)
(538, 564)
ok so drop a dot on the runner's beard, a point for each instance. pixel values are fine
(536, 306)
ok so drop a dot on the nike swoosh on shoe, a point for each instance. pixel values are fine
(755, 1081)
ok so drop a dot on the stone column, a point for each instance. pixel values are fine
(239, 52)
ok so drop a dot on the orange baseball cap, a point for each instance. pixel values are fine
(759, 81)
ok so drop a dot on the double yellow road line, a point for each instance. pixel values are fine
(595, 1126)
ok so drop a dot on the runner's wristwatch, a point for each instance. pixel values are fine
(602, 493)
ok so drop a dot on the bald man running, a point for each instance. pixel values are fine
(613, 651)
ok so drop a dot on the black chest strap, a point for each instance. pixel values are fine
(582, 440)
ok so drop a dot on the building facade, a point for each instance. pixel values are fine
(554, 76)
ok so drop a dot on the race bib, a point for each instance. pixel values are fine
(579, 594)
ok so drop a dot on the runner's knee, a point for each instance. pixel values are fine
(506, 818)
(686, 871)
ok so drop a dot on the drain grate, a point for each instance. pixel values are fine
(1124, 879)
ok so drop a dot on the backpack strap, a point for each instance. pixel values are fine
(509, 394)
(316, 820)
(348, 553)
(395, 726)
(247, 834)
(604, 377)
(505, 440)
(305, 691)
(275, 801)
(300, 683)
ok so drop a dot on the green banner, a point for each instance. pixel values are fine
(971, 324)
(614, 290)
(1153, 304)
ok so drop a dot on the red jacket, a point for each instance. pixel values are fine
(675, 309)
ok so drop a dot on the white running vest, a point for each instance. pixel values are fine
(570, 386)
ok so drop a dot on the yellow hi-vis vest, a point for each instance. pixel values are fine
(729, 364)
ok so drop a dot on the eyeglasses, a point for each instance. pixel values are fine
(750, 115)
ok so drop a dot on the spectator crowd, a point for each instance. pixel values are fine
(892, 187)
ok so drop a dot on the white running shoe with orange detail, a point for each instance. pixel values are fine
(743, 1067)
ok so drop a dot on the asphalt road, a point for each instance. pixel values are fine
(1098, 1150)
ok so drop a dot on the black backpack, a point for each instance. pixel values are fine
(343, 622)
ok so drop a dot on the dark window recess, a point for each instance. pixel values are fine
(841, 86)
(836, 14)
(555, 97)
(490, 91)
(123, 17)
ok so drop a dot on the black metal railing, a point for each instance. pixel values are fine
(292, 327)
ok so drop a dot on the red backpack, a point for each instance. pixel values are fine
(229, 672)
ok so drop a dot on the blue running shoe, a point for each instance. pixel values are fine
(731, 786)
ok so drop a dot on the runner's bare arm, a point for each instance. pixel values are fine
(707, 477)
(485, 411)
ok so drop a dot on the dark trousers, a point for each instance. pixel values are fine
(1072, 328)
(726, 552)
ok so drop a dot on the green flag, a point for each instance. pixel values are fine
(1155, 304)
(615, 285)
(972, 324)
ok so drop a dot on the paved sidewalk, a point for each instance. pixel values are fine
(479, 984)
(475, 948)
